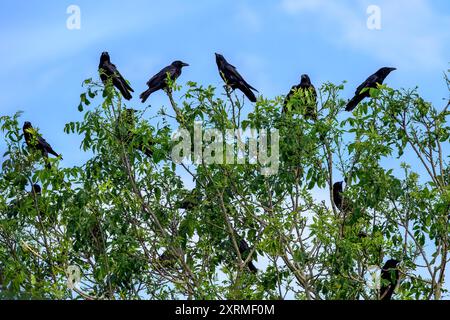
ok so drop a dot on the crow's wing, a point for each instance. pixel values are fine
(290, 94)
(159, 79)
(44, 145)
(311, 89)
(369, 83)
(120, 78)
(389, 284)
(110, 69)
(235, 76)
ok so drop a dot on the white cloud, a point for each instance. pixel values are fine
(413, 35)
(249, 18)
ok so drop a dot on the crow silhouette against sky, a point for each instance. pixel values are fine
(244, 249)
(390, 277)
(371, 82)
(233, 79)
(159, 80)
(307, 94)
(108, 70)
(35, 141)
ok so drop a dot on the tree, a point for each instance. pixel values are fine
(118, 217)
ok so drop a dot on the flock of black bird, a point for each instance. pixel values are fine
(229, 74)
(232, 79)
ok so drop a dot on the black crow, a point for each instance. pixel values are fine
(233, 79)
(107, 70)
(371, 82)
(244, 249)
(36, 189)
(159, 80)
(390, 277)
(308, 96)
(338, 189)
(35, 141)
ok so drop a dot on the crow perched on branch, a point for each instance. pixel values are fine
(35, 141)
(343, 204)
(36, 189)
(233, 79)
(390, 277)
(371, 82)
(308, 96)
(338, 189)
(244, 249)
(159, 80)
(108, 70)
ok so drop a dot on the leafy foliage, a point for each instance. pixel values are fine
(122, 218)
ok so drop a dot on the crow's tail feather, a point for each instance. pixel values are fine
(122, 88)
(249, 93)
(144, 96)
(125, 93)
(128, 86)
(352, 104)
(54, 153)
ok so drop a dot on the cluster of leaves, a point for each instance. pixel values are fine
(127, 220)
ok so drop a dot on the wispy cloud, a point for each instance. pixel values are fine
(249, 18)
(413, 34)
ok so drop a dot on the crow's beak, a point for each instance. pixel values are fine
(393, 69)
(185, 64)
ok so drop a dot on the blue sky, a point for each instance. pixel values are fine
(42, 63)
